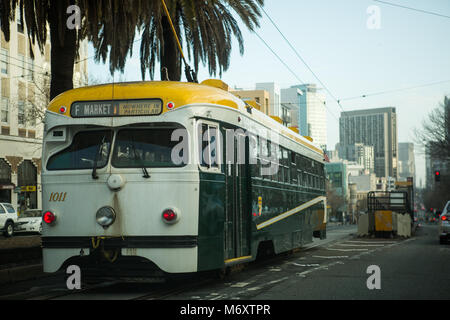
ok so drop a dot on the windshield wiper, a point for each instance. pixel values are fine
(138, 158)
(94, 170)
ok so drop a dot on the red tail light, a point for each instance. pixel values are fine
(49, 217)
(444, 218)
(169, 216)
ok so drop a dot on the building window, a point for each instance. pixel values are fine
(30, 70)
(5, 172)
(4, 61)
(20, 23)
(4, 111)
(31, 115)
(22, 65)
(21, 113)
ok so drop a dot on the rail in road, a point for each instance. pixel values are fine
(333, 268)
(53, 287)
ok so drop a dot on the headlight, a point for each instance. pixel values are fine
(106, 216)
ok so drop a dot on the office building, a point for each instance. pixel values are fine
(359, 153)
(406, 161)
(24, 88)
(377, 128)
(291, 99)
(312, 114)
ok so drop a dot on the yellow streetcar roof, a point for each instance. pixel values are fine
(179, 93)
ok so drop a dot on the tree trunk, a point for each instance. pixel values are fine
(170, 54)
(63, 52)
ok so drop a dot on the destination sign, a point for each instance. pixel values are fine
(117, 108)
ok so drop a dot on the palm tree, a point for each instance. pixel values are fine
(208, 30)
(111, 26)
(98, 23)
(207, 25)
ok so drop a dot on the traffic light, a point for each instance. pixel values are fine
(437, 176)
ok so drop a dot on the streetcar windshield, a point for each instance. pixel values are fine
(145, 148)
(89, 149)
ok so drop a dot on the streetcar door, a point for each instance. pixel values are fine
(237, 218)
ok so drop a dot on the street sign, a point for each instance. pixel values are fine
(25, 189)
(31, 189)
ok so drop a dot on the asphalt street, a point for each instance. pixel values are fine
(332, 269)
(415, 268)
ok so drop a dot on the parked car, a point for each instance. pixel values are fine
(8, 219)
(444, 224)
(30, 221)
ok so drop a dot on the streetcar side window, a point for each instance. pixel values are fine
(87, 148)
(293, 168)
(255, 161)
(274, 149)
(210, 143)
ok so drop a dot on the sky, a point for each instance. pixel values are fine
(355, 48)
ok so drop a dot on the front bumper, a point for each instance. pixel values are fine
(171, 254)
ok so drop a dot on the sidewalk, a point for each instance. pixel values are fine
(20, 259)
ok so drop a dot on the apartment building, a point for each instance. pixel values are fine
(24, 90)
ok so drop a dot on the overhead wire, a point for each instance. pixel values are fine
(338, 101)
(290, 70)
(301, 58)
(414, 9)
(279, 58)
(393, 91)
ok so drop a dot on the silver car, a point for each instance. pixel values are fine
(30, 221)
(444, 224)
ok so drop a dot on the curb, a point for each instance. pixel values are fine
(13, 275)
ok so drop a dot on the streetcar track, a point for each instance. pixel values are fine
(274, 262)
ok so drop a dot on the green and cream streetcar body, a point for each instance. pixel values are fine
(114, 195)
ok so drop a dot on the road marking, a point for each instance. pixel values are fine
(331, 257)
(279, 280)
(254, 288)
(372, 242)
(306, 265)
(240, 285)
(346, 250)
(325, 267)
(360, 245)
(274, 269)
(218, 297)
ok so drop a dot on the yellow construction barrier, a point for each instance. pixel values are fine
(383, 220)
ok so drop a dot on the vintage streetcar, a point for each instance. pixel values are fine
(148, 179)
